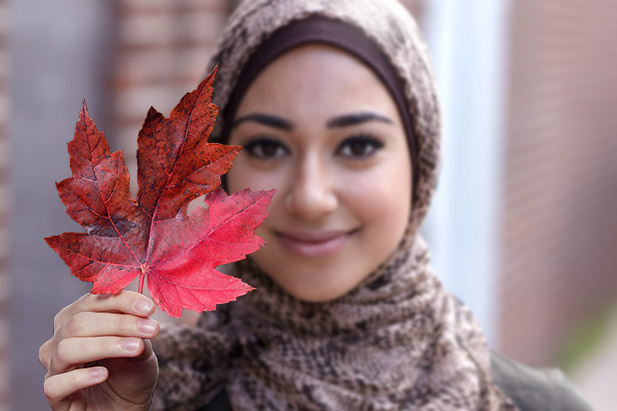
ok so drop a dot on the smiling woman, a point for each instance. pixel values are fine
(335, 106)
(320, 128)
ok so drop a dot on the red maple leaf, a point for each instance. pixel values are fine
(155, 236)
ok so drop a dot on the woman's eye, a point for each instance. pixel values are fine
(359, 147)
(265, 148)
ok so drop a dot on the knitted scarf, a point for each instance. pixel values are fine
(397, 341)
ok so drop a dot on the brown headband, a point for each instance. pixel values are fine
(336, 33)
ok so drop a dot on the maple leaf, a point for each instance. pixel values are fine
(155, 236)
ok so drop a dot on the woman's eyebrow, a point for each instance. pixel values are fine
(356, 118)
(267, 120)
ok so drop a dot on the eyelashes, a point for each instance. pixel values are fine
(359, 146)
(264, 147)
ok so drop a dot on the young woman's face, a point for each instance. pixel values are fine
(320, 128)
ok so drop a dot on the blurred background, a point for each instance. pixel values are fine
(524, 226)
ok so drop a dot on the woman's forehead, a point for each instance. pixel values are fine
(318, 78)
(319, 59)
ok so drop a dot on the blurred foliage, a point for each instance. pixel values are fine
(586, 339)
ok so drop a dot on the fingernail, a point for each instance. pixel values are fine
(130, 344)
(146, 326)
(97, 373)
(143, 306)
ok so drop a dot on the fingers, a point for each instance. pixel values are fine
(92, 324)
(45, 354)
(71, 352)
(100, 324)
(96, 330)
(126, 302)
(59, 387)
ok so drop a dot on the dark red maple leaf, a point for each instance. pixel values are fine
(154, 236)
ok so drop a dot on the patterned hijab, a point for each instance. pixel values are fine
(396, 341)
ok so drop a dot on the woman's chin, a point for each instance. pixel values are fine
(310, 292)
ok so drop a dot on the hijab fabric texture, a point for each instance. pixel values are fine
(398, 341)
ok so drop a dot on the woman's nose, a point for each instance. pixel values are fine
(311, 194)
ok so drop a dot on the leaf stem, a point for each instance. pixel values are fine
(142, 277)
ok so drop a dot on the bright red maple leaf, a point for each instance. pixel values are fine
(154, 236)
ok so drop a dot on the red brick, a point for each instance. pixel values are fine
(167, 6)
(162, 65)
(155, 30)
(558, 222)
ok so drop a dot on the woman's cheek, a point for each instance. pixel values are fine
(383, 203)
(243, 175)
(380, 195)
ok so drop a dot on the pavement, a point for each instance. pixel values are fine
(597, 377)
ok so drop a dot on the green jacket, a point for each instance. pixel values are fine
(531, 389)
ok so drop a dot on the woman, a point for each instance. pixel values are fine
(335, 106)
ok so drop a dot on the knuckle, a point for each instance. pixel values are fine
(63, 349)
(125, 325)
(77, 323)
(85, 302)
(44, 354)
(59, 319)
(49, 389)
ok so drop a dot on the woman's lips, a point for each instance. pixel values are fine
(314, 243)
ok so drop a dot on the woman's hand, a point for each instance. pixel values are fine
(99, 356)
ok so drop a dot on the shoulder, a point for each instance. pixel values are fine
(535, 389)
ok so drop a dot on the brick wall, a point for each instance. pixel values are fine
(560, 220)
(4, 205)
(163, 47)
